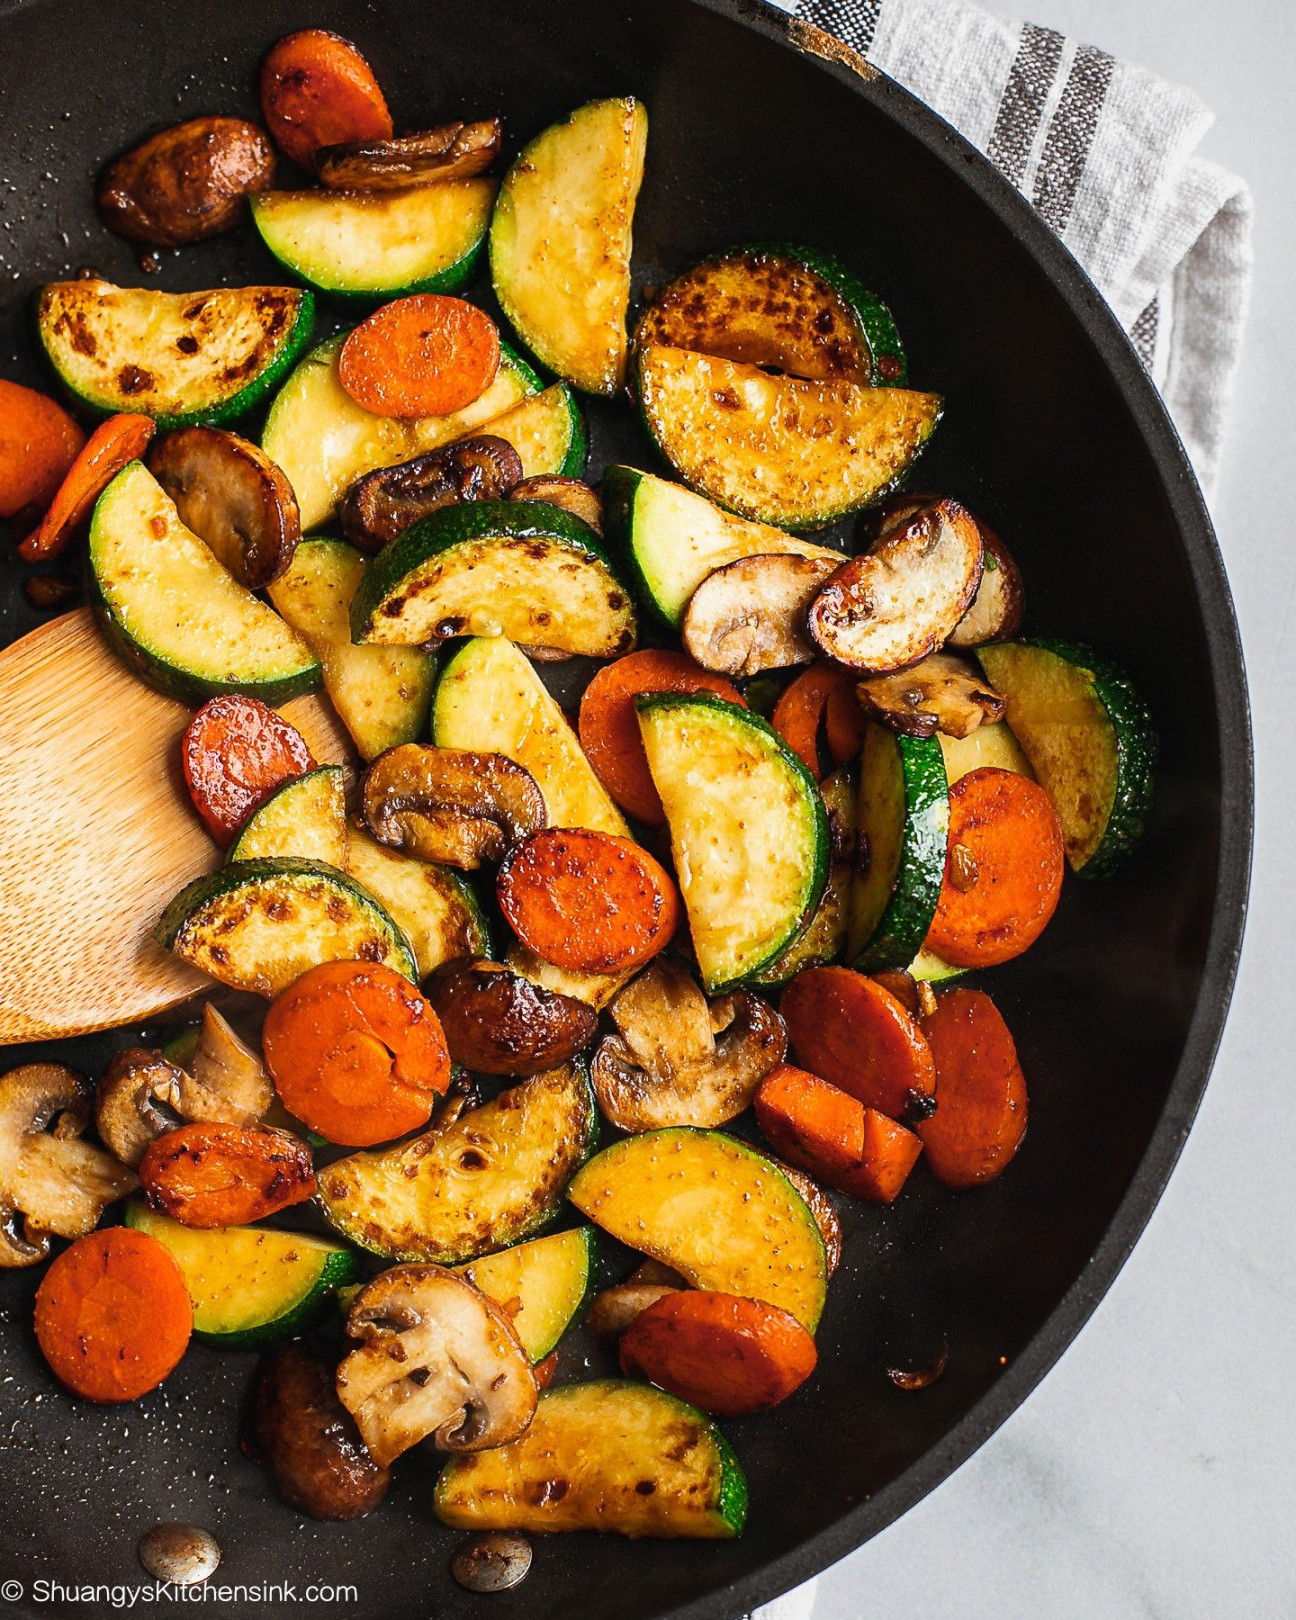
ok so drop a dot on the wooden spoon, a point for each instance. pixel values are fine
(97, 833)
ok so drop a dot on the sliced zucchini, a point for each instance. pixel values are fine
(993, 746)
(181, 358)
(903, 823)
(932, 969)
(780, 449)
(548, 432)
(258, 925)
(324, 441)
(522, 569)
(168, 607)
(378, 244)
(1089, 738)
(433, 907)
(788, 308)
(305, 817)
(748, 829)
(492, 1178)
(673, 539)
(490, 699)
(542, 1285)
(560, 241)
(629, 1459)
(712, 1209)
(250, 1285)
(824, 938)
(381, 694)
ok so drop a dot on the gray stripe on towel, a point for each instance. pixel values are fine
(1143, 333)
(1030, 79)
(854, 21)
(1070, 135)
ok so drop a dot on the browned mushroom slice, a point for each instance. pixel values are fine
(613, 1309)
(751, 614)
(188, 182)
(890, 514)
(384, 503)
(450, 805)
(137, 1100)
(572, 494)
(497, 1022)
(449, 152)
(820, 1206)
(226, 1083)
(664, 1065)
(233, 497)
(940, 693)
(900, 601)
(996, 611)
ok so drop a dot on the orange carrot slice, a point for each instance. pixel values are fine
(39, 442)
(833, 1137)
(426, 355)
(225, 1175)
(113, 1316)
(981, 1106)
(799, 713)
(317, 90)
(609, 722)
(112, 446)
(356, 1053)
(889, 1152)
(587, 901)
(1003, 869)
(853, 1033)
(236, 751)
(728, 1355)
(843, 725)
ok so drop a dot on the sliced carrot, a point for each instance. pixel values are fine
(39, 441)
(317, 90)
(1003, 869)
(851, 1032)
(113, 445)
(225, 1175)
(890, 1152)
(981, 1107)
(843, 725)
(356, 1053)
(833, 1136)
(609, 722)
(425, 355)
(728, 1355)
(901, 986)
(236, 752)
(544, 1370)
(799, 713)
(113, 1316)
(587, 901)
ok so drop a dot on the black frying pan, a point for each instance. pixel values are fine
(1053, 432)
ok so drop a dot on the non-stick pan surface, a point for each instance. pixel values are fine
(1055, 435)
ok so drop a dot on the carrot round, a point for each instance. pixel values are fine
(317, 90)
(356, 1053)
(225, 1175)
(609, 722)
(426, 355)
(901, 986)
(851, 1032)
(113, 445)
(800, 713)
(730, 1356)
(833, 1137)
(113, 1316)
(39, 442)
(889, 1152)
(981, 1108)
(236, 751)
(843, 725)
(587, 901)
(1003, 869)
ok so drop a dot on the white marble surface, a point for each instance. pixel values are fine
(1153, 1473)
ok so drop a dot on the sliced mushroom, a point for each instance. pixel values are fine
(664, 1066)
(437, 1358)
(449, 152)
(50, 1181)
(750, 615)
(233, 497)
(186, 183)
(820, 1206)
(613, 1309)
(892, 513)
(451, 805)
(996, 611)
(901, 601)
(595, 989)
(939, 693)
(497, 1022)
(137, 1100)
(227, 1083)
(572, 494)
(385, 503)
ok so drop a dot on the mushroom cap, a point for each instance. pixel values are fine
(448, 152)
(751, 615)
(437, 1358)
(939, 693)
(137, 1100)
(227, 1082)
(450, 804)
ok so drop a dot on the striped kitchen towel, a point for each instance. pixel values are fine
(1107, 153)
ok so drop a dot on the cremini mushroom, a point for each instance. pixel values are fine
(750, 615)
(384, 503)
(449, 152)
(137, 1100)
(436, 1358)
(50, 1180)
(613, 1309)
(939, 693)
(186, 183)
(572, 494)
(497, 1022)
(675, 1060)
(226, 1082)
(451, 805)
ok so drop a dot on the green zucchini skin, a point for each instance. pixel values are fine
(823, 937)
